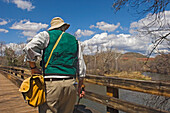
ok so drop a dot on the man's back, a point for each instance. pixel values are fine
(64, 57)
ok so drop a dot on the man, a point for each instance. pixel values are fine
(60, 67)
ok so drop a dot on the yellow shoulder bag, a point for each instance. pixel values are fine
(33, 90)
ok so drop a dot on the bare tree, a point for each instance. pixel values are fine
(156, 25)
(151, 6)
(158, 30)
(116, 56)
(2, 44)
(10, 56)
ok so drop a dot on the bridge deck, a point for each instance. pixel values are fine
(11, 100)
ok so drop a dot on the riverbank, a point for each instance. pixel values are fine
(130, 75)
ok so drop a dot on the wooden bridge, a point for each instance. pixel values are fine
(10, 101)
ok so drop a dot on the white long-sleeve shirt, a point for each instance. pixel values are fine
(35, 48)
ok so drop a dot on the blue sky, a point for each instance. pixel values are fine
(19, 20)
(80, 14)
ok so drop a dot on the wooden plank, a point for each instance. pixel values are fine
(11, 100)
(120, 104)
(151, 87)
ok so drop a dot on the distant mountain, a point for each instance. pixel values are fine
(133, 55)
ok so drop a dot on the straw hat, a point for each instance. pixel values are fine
(57, 22)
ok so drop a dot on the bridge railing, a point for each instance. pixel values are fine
(113, 84)
(112, 101)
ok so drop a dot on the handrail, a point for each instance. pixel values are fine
(121, 104)
(151, 87)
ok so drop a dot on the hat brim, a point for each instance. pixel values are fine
(59, 25)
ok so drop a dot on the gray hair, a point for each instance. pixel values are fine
(62, 28)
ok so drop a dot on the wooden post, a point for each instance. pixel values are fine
(22, 71)
(15, 73)
(11, 70)
(112, 92)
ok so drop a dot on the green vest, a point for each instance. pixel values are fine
(65, 56)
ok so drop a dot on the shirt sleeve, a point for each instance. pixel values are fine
(82, 66)
(36, 45)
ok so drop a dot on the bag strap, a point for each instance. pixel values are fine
(53, 49)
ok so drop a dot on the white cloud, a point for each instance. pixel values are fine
(29, 33)
(80, 33)
(29, 28)
(23, 4)
(163, 51)
(92, 26)
(3, 22)
(124, 42)
(162, 48)
(105, 26)
(97, 39)
(135, 41)
(27, 25)
(152, 26)
(4, 30)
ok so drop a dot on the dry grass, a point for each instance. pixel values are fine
(129, 75)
